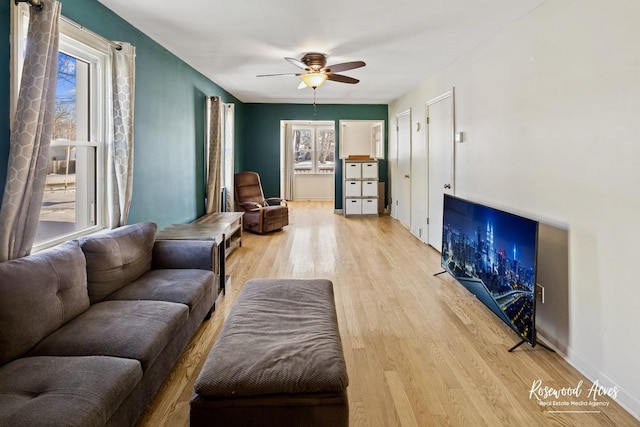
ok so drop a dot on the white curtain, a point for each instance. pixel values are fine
(214, 154)
(120, 184)
(31, 134)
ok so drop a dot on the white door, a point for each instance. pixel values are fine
(403, 171)
(392, 156)
(441, 161)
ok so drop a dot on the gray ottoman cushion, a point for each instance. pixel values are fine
(280, 337)
(65, 391)
(132, 329)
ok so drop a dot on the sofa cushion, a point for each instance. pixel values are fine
(132, 329)
(172, 285)
(38, 294)
(65, 391)
(117, 257)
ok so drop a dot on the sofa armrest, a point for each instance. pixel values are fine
(198, 254)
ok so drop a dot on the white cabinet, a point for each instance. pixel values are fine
(360, 187)
(353, 207)
(352, 188)
(370, 170)
(353, 170)
(369, 188)
(370, 206)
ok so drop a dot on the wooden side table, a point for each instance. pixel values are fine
(233, 235)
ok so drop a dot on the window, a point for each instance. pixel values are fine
(313, 149)
(74, 196)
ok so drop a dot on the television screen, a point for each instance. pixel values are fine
(493, 254)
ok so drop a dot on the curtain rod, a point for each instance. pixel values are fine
(38, 5)
(35, 3)
(88, 31)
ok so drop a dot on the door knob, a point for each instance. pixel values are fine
(448, 186)
(406, 176)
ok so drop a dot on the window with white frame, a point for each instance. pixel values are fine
(74, 196)
(313, 149)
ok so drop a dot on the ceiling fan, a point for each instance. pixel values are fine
(317, 72)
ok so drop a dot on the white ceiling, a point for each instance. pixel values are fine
(403, 42)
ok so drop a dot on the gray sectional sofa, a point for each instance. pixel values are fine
(90, 329)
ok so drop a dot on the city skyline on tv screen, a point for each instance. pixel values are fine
(493, 254)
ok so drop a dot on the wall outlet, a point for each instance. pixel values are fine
(540, 292)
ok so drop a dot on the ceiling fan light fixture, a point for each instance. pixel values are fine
(314, 79)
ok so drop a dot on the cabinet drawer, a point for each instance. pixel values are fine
(369, 189)
(353, 206)
(352, 189)
(369, 206)
(370, 170)
(353, 170)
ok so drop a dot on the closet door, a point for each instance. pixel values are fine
(403, 170)
(441, 161)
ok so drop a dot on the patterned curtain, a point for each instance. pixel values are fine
(288, 161)
(31, 134)
(229, 135)
(120, 184)
(214, 154)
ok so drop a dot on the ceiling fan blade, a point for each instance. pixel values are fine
(345, 66)
(297, 63)
(342, 79)
(284, 74)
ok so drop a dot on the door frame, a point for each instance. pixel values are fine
(397, 178)
(287, 175)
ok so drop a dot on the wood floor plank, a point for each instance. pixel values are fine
(420, 349)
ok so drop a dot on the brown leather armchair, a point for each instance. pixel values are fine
(260, 215)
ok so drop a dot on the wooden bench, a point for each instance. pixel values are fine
(277, 361)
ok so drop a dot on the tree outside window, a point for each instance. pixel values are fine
(313, 149)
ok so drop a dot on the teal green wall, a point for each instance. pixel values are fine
(5, 78)
(261, 148)
(169, 136)
(169, 113)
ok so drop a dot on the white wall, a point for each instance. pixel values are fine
(550, 108)
(314, 187)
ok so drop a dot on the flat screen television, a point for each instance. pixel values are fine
(493, 254)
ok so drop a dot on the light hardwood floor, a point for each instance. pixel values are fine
(420, 350)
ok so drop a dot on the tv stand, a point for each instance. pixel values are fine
(537, 343)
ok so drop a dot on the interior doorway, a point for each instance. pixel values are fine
(440, 140)
(308, 155)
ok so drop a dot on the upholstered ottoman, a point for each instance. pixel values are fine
(278, 360)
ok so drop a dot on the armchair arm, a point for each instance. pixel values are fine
(199, 254)
(275, 201)
(249, 206)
